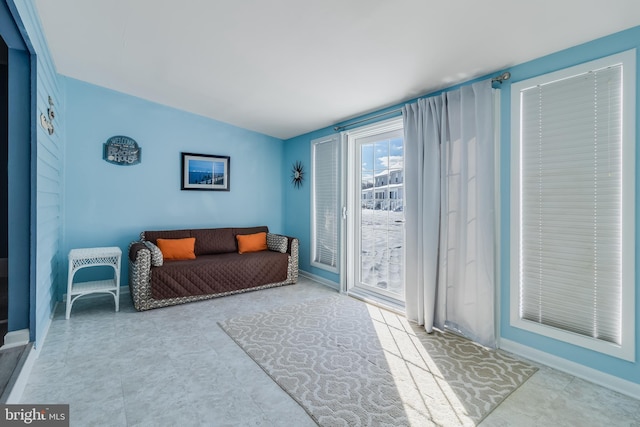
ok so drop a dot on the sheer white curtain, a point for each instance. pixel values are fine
(449, 169)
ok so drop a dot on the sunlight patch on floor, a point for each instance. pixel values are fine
(419, 382)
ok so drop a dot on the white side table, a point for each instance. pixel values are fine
(93, 257)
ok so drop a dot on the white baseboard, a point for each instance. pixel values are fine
(589, 374)
(15, 396)
(16, 339)
(18, 388)
(320, 280)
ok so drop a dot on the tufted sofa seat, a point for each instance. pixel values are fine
(217, 270)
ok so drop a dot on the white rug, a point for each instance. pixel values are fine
(348, 363)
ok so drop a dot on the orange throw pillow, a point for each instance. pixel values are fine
(174, 249)
(252, 242)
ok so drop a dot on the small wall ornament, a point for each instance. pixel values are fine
(46, 121)
(122, 150)
(297, 174)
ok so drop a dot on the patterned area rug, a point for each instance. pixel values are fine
(348, 363)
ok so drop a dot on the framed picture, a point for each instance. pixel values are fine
(205, 172)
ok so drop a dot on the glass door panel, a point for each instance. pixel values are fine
(380, 215)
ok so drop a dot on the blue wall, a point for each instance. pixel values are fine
(596, 49)
(109, 205)
(298, 215)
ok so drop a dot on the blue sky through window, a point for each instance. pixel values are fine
(382, 155)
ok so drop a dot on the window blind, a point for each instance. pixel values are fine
(325, 196)
(570, 205)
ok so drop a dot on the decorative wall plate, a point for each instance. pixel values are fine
(122, 150)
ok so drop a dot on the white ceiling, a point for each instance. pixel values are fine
(287, 67)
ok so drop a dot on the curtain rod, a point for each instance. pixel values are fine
(337, 128)
(502, 77)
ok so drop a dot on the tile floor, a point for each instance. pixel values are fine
(162, 368)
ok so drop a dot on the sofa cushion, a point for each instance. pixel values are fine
(177, 249)
(252, 242)
(277, 242)
(214, 241)
(218, 274)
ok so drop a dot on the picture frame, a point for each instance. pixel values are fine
(205, 172)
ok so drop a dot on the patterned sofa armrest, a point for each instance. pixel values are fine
(291, 242)
(292, 250)
(139, 274)
(134, 248)
(288, 245)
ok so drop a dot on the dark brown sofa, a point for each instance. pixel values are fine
(218, 269)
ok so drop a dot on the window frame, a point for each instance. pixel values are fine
(626, 350)
(353, 195)
(330, 139)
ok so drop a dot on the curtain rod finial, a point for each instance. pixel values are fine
(502, 77)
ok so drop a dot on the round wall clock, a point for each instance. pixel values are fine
(297, 174)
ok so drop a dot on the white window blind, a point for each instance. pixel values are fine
(571, 206)
(325, 203)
